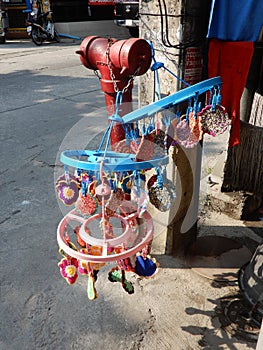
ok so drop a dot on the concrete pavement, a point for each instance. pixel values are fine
(48, 101)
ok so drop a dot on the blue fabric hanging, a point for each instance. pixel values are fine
(236, 20)
(29, 5)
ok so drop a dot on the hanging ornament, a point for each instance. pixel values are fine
(91, 290)
(86, 204)
(182, 131)
(79, 239)
(114, 201)
(117, 275)
(215, 121)
(145, 266)
(195, 125)
(161, 191)
(126, 184)
(68, 192)
(140, 197)
(67, 187)
(69, 269)
(115, 179)
(146, 148)
(160, 197)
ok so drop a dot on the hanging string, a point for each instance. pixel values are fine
(113, 119)
(155, 67)
(159, 178)
(102, 202)
(195, 104)
(176, 76)
(157, 82)
(66, 174)
(189, 109)
(103, 138)
(108, 139)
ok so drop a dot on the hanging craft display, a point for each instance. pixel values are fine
(110, 221)
(110, 192)
(215, 120)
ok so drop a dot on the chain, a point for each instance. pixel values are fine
(113, 78)
(110, 42)
(130, 81)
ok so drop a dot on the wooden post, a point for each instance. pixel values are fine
(182, 227)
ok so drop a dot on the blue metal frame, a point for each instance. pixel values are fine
(116, 162)
(119, 162)
(172, 100)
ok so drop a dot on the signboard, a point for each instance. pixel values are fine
(193, 65)
(101, 2)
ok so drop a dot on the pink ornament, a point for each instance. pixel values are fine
(68, 191)
(182, 130)
(69, 269)
(86, 205)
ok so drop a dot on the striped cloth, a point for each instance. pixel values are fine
(256, 115)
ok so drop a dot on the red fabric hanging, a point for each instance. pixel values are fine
(231, 61)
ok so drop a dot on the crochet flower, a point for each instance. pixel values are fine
(68, 192)
(69, 269)
(86, 205)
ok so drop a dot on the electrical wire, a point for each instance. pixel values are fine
(164, 16)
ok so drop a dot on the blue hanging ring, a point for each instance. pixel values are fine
(189, 109)
(159, 178)
(195, 104)
(66, 170)
(152, 49)
(118, 102)
(219, 97)
(210, 96)
(157, 65)
(144, 130)
(84, 188)
(214, 100)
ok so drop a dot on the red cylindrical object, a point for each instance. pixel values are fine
(117, 62)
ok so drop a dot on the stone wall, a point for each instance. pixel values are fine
(177, 29)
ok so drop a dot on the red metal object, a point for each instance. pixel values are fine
(117, 61)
